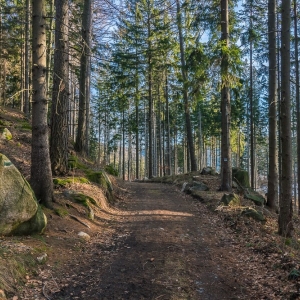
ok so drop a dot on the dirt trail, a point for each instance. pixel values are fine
(167, 247)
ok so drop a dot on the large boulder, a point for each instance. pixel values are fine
(254, 214)
(208, 171)
(230, 200)
(256, 198)
(241, 176)
(19, 210)
(199, 186)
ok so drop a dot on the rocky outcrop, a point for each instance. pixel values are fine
(19, 210)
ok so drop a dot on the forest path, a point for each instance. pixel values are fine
(168, 246)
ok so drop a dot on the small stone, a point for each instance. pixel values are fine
(43, 258)
(84, 236)
(2, 295)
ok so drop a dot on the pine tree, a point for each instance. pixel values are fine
(285, 224)
(60, 93)
(41, 177)
(273, 169)
(226, 172)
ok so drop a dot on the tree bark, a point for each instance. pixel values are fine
(188, 124)
(26, 107)
(168, 150)
(84, 64)
(41, 177)
(51, 40)
(226, 172)
(273, 162)
(285, 200)
(252, 129)
(1, 59)
(60, 92)
(137, 138)
(297, 100)
(150, 102)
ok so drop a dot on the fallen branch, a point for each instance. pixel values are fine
(44, 293)
(78, 220)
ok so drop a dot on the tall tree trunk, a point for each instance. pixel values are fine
(150, 102)
(168, 150)
(285, 200)
(1, 52)
(297, 99)
(175, 153)
(87, 102)
(60, 92)
(160, 143)
(273, 162)
(188, 124)
(200, 152)
(137, 138)
(41, 177)
(81, 137)
(123, 145)
(26, 107)
(226, 172)
(279, 103)
(146, 164)
(51, 40)
(252, 131)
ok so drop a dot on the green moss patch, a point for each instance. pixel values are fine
(62, 212)
(63, 182)
(83, 199)
(25, 125)
(74, 163)
(110, 169)
(97, 177)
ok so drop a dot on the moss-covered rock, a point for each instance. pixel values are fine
(258, 199)
(241, 176)
(230, 200)
(17, 201)
(199, 186)
(208, 171)
(36, 224)
(254, 214)
(6, 135)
